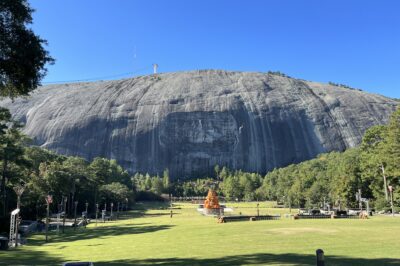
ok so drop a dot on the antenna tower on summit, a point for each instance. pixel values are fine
(155, 66)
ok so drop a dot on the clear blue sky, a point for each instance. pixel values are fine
(352, 42)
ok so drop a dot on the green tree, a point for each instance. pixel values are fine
(217, 170)
(223, 173)
(104, 171)
(166, 181)
(392, 152)
(54, 179)
(12, 143)
(147, 182)
(231, 187)
(392, 149)
(114, 192)
(79, 178)
(374, 160)
(157, 185)
(22, 56)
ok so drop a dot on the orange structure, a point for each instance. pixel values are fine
(211, 201)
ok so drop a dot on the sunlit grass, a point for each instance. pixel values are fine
(149, 236)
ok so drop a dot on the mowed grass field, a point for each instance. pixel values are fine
(148, 236)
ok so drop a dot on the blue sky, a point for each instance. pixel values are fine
(351, 42)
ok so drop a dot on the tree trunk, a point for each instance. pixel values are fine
(72, 201)
(384, 182)
(3, 188)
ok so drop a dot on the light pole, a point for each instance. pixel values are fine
(65, 198)
(49, 200)
(358, 198)
(258, 210)
(103, 215)
(111, 215)
(75, 205)
(97, 211)
(391, 198)
(19, 189)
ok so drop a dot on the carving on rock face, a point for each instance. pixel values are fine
(205, 132)
(196, 141)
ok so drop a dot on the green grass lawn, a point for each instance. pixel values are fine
(148, 236)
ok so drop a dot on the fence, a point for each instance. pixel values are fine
(326, 216)
(225, 219)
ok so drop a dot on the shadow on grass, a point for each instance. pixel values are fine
(255, 259)
(27, 257)
(140, 210)
(24, 257)
(160, 214)
(110, 229)
(100, 232)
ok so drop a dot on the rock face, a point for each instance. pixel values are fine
(190, 121)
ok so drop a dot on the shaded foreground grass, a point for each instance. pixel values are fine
(148, 236)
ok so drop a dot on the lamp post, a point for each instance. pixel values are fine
(103, 215)
(75, 205)
(97, 211)
(258, 210)
(19, 189)
(49, 200)
(65, 198)
(111, 215)
(391, 198)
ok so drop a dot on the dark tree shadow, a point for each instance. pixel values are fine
(160, 214)
(99, 232)
(104, 230)
(256, 259)
(27, 257)
(140, 209)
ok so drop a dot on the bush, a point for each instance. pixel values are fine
(381, 204)
(148, 196)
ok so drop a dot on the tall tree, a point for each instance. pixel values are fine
(392, 149)
(114, 192)
(12, 143)
(374, 159)
(393, 154)
(22, 56)
(166, 181)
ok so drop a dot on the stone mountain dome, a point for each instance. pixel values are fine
(190, 121)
